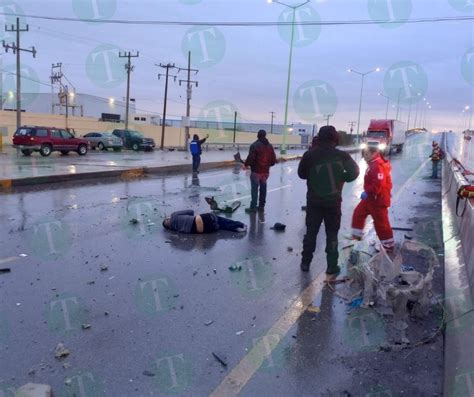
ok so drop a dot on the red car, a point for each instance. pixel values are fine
(47, 140)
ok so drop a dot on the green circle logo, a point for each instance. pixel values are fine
(253, 277)
(462, 383)
(172, 373)
(155, 294)
(455, 306)
(9, 7)
(462, 5)
(66, 314)
(218, 116)
(94, 9)
(141, 219)
(50, 238)
(83, 383)
(235, 188)
(303, 35)
(7, 390)
(364, 330)
(406, 80)
(269, 353)
(467, 66)
(30, 85)
(415, 152)
(104, 67)
(207, 45)
(315, 99)
(395, 11)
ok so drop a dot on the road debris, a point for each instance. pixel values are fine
(86, 326)
(220, 360)
(5, 270)
(235, 268)
(134, 221)
(239, 332)
(148, 373)
(104, 268)
(289, 249)
(278, 227)
(207, 323)
(23, 255)
(61, 352)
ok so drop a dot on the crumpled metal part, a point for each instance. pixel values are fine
(389, 290)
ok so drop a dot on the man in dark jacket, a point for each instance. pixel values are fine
(261, 157)
(325, 169)
(196, 151)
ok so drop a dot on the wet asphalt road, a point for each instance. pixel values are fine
(159, 304)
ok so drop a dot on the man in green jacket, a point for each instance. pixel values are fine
(325, 169)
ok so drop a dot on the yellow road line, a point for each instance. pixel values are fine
(243, 372)
(235, 381)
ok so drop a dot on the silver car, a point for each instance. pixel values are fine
(104, 141)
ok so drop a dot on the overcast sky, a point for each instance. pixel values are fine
(246, 67)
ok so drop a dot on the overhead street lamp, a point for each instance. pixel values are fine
(294, 8)
(361, 91)
(388, 101)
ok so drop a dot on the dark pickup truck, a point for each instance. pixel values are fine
(135, 140)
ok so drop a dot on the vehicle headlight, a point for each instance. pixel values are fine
(363, 146)
(382, 146)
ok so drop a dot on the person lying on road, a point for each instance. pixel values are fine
(187, 222)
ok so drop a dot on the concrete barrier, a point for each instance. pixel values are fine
(458, 235)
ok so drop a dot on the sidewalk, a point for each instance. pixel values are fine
(18, 170)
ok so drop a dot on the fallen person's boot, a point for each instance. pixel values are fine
(213, 203)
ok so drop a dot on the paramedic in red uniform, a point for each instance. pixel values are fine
(376, 199)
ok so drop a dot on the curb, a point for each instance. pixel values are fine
(459, 300)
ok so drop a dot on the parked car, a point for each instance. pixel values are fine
(47, 140)
(135, 140)
(104, 141)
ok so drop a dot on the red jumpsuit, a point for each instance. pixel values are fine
(378, 186)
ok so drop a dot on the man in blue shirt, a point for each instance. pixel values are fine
(196, 151)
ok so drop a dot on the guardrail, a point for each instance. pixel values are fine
(241, 146)
(458, 237)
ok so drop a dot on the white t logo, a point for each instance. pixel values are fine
(404, 75)
(105, 56)
(313, 92)
(202, 41)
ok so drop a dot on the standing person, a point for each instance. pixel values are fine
(261, 157)
(376, 199)
(325, 170)
(436, 156)
(196, 151)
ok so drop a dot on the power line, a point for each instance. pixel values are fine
(168, 66)
(244, 24)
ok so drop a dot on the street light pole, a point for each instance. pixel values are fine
(288, 83)
(388, 102)
(361, 92)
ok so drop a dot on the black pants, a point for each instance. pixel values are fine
(330, 214)
(196, 162)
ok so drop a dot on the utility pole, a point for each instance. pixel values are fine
(327, 117)
(129, 68)
(17, 50)
(168, 66)
(235, 125)
(351, 124)
(271, 125)
(189, 94)
(56, 78)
